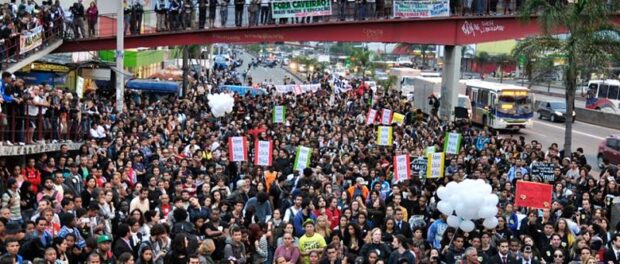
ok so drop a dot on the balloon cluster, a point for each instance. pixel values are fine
(466, 201)
(221, 103)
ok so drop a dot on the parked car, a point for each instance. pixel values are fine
(555, 111)
(609, 150)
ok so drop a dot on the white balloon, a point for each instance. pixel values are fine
(454, 221)
(467, 226)
(220, 104)
(490, 223)
(441, 193)
(452, 187)
(487, 211)
(445, 207)
(491, 199)
(487, 189)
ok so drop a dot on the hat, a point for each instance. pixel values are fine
(103, 239)
(13, 228)
(309, 221)
(360, 180)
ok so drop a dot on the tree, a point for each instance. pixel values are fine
(502, 60)
(482, 58)
(591, 36)
(361, 58)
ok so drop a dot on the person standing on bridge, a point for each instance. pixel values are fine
(92, 14)
(78, 19)
(202, 13)
(137, 10)
(239, 12)
(265, 11)
(161, 9)
(174, 15)
(223, 11)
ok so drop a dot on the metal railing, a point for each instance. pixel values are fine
(247, 15)
(23, 44)
(19, 126)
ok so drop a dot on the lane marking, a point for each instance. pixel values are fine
(574, 131)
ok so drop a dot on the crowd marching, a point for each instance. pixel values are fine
(157, 183)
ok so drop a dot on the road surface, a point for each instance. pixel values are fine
(264, 74)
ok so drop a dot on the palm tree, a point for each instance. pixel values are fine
(361, 58)
(590, 35)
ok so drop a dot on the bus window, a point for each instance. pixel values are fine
(603, 90)
(613, 92)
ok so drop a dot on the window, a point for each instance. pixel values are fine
(613, 92)
(603, 91)
(612, 143)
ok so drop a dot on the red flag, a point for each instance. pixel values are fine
(533, 194)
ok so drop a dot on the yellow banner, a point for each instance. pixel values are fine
(435, 165)
(384, 135)
(398, 118)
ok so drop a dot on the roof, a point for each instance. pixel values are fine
(494, 85)
(608, 81)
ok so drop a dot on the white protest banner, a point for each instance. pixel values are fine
(340, 85)
(263, 152)
(384, 135)
(237, 149)
(370, 118)
(300, 8)
(386, 116)
(302, 158)
(402, 169)
(297, 88)
(421, 8)
(31, 39)
(279, 114)
(435, 165)
(452, 143)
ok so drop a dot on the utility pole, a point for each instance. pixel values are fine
(120, 55)
(185, 70)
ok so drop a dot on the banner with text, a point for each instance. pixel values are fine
(302, 158)
(30, 40)
(402, 169)
(297, 88)
(264, 152)
(421, 8)
(237, 149)
(300, 8)
(435, 165)
(384, 135)
(370, 118)
(452, 143)
(279, 114)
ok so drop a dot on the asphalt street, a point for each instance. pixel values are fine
(264, 74)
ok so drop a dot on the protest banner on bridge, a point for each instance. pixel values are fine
(30, 40)
(421, 8)
(300, 8)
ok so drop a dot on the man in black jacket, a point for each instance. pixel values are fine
(78, 19)
(503, 256)
(123, 243)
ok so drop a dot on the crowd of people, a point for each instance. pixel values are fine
(155, 184)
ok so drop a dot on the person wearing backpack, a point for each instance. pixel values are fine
(12, 200)
(158, 242)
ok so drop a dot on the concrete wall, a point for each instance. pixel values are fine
(598, 118)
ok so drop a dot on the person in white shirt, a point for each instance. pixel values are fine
(292, 211)
(36, 105)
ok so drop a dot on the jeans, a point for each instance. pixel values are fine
(343, 8)
(238, 15)
(202, 17)
(223, 15)
(264, 15)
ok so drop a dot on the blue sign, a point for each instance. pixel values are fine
(36, 78)
(243, 90)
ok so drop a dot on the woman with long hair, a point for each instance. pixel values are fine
(341, 229)
(323, 228)
(125, 258)
(389, 230)
(28, 199)
(353, 238)
(178, 250)
(289, 228)
(373, 243)
(145, 255)
(60, 244)
(561, 228)
(205, 250)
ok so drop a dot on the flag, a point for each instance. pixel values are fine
(237, 149)
(263, 152)
(386, 116)
(435, 166)
(398, 118)
(279, 113)
(402, 169)
(452, 143)
(384, 135)
(533, 194)
(372, 115)
(302, 158)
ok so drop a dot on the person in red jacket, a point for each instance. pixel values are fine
(32, 175)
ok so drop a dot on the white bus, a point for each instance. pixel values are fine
(500, 106)
(603, 95)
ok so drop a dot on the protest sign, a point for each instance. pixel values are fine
(452, 143)
(237, 149)
(263, 152)
(544, 171)
(300, 8)
(421, 8)
(435, 165)
(402, 170)
(279, 113)
(384, 135)
(302, 158)
(533, 194)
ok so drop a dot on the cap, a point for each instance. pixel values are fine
(13, 228)
(103, 239)
(309, 221)
(360, 180)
